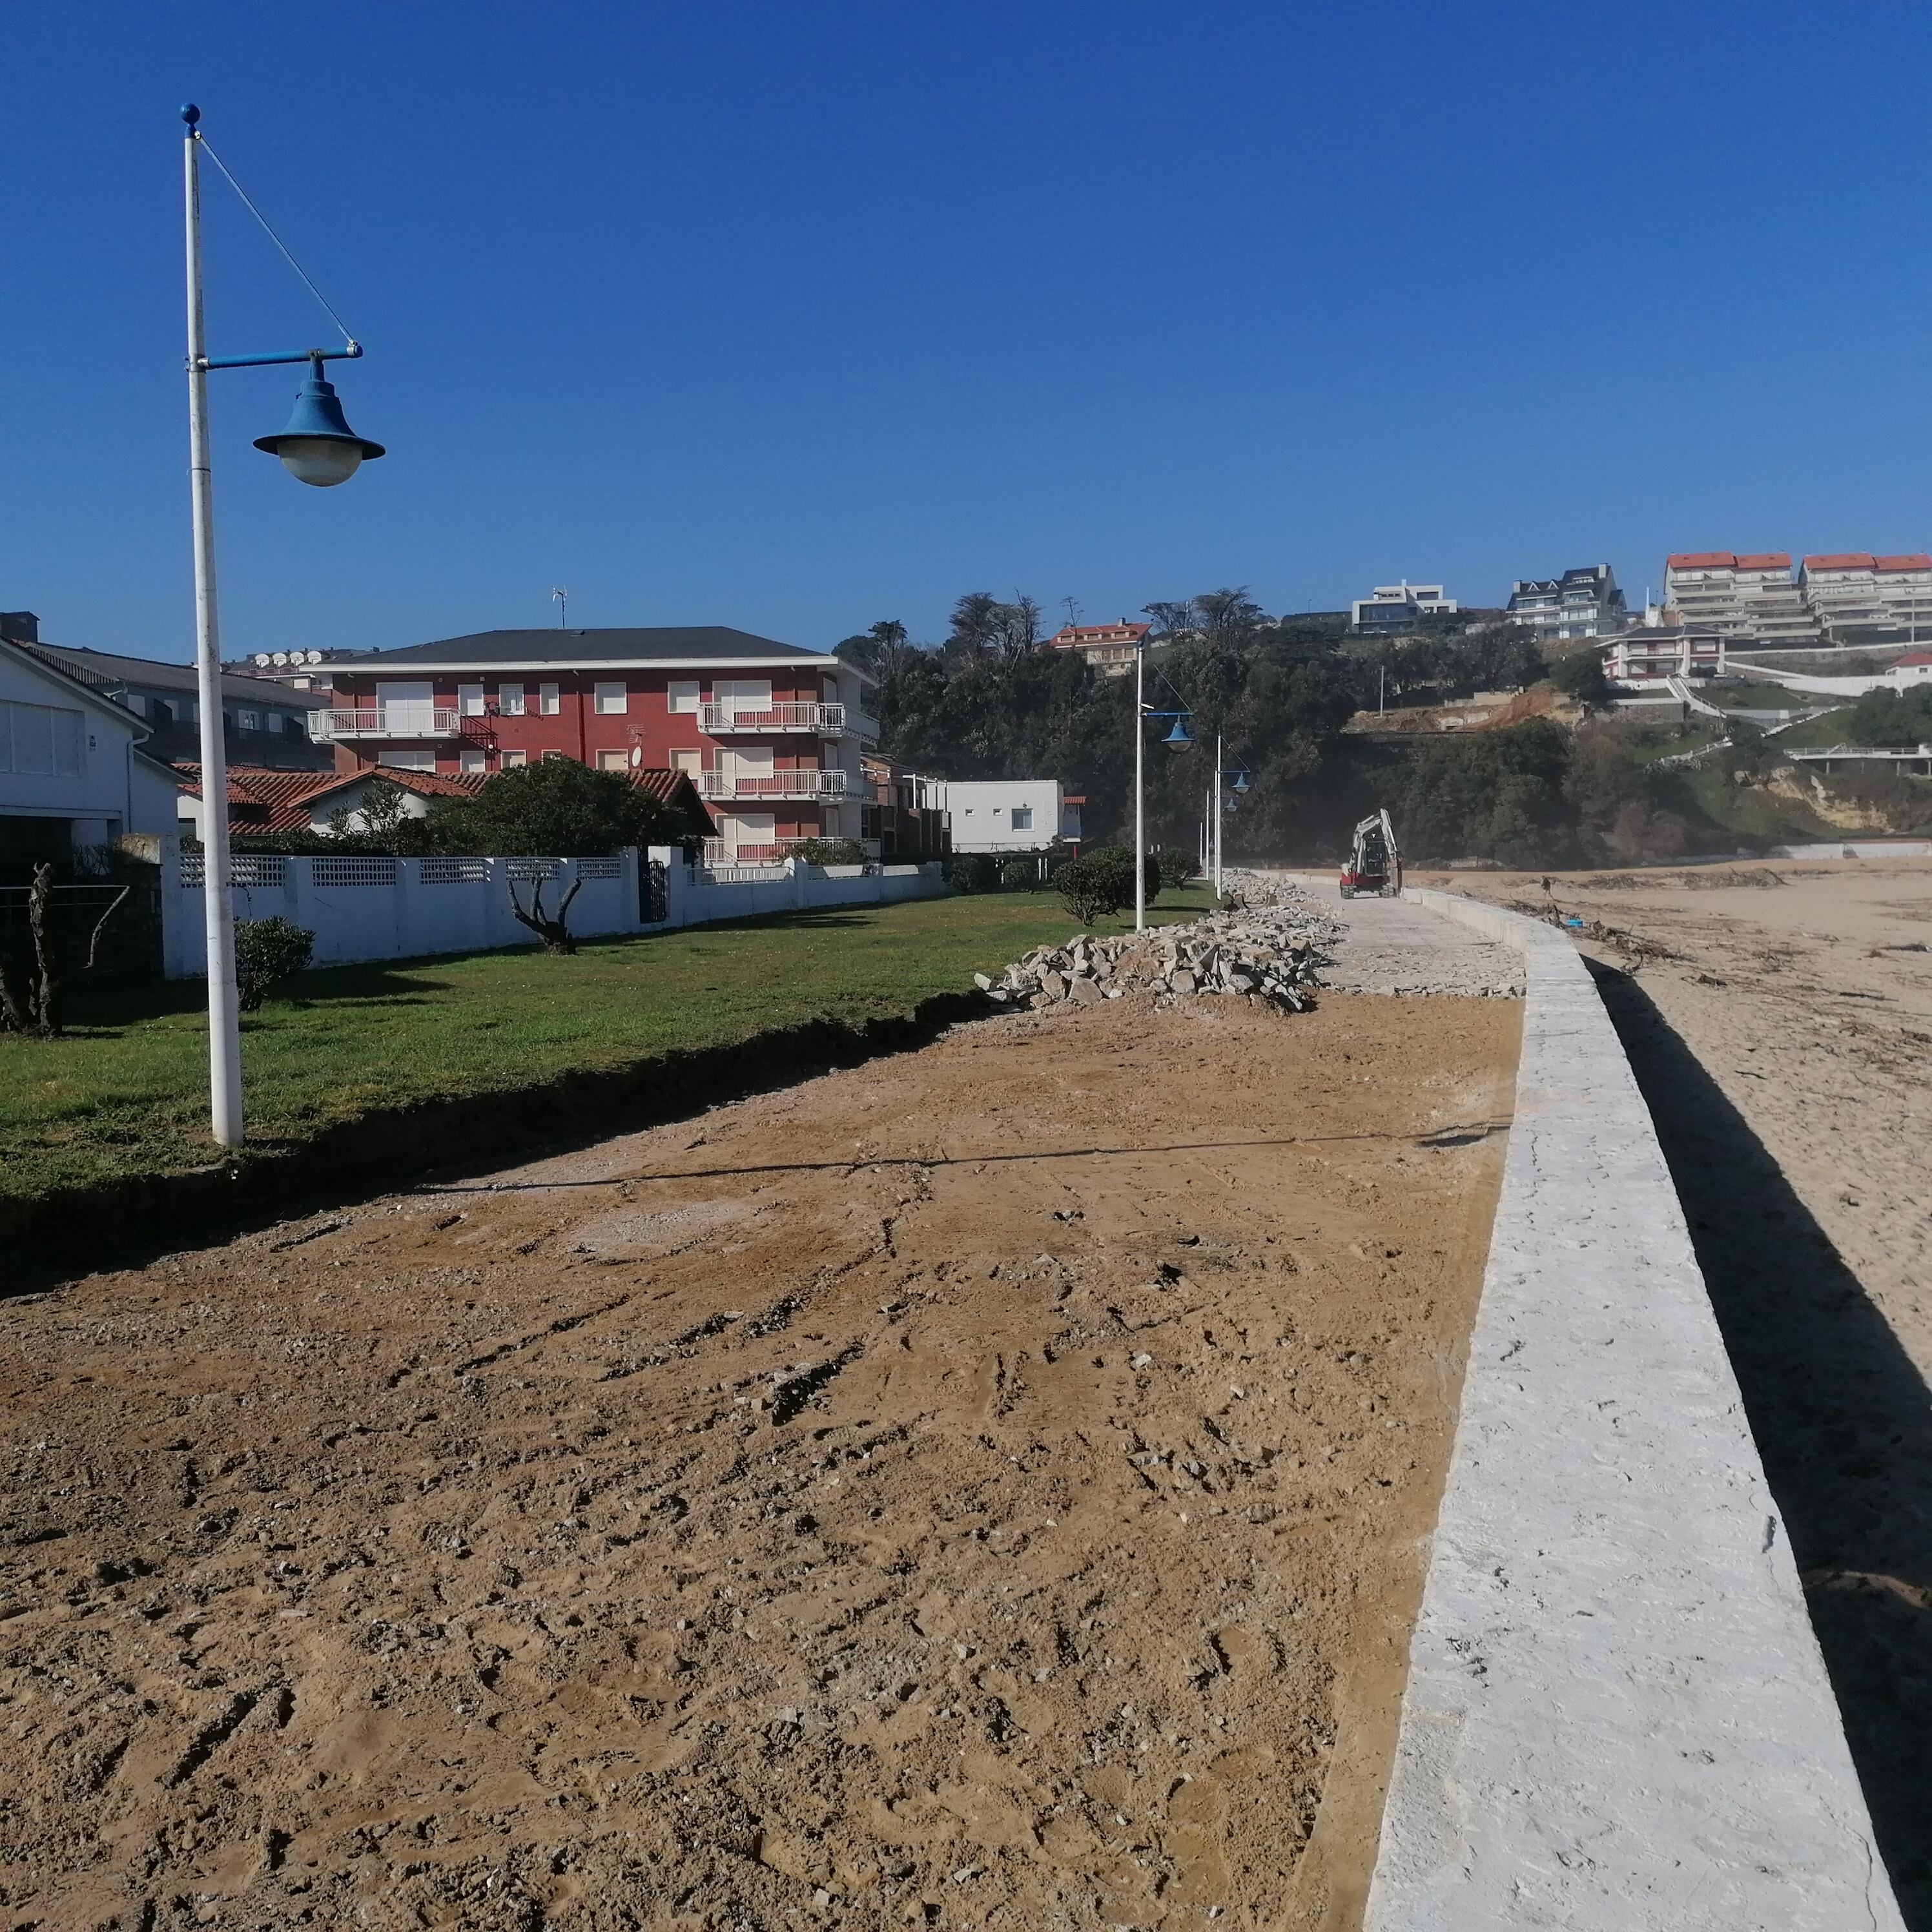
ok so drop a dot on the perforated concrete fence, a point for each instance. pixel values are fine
(362, 907)
(1617, 1718)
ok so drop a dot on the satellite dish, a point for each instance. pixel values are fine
(637, 758)
(312, 657)
(281, 657)
(261, 657)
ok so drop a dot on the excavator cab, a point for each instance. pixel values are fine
(1374, 869)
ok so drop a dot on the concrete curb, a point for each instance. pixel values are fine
(1616, 1714)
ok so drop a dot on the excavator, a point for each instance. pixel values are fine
(1374, 869)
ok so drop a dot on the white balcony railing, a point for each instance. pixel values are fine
(810, 782)
(828, 721)
(394, 720)
(720, 852)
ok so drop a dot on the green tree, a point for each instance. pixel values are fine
(557, 809)
(1580, 675)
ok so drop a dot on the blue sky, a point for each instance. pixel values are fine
(794, 317)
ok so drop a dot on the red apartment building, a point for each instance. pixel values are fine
(770, 733)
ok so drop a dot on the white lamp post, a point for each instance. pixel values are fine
(1176, 740)
(320, 448)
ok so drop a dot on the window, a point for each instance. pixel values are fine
(549, 755)
(547, 699)
(136, 703)
(470, 758)
(510, 700)
(681, 694)
(251, 721)
(613, 701)
(511, 760)
(1022, 818)
(614, 761)
(40, 741)
(470, 700)
(409, 757)
(692, 762)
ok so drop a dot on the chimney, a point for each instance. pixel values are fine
(19, 627)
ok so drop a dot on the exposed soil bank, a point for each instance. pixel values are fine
(987, 1488)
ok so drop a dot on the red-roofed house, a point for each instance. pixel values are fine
(1912, 672)
(261, 801)
(1109, 648)
(1863, 599)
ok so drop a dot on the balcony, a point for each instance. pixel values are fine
(826, 720)
(810, 782)
(395, 720)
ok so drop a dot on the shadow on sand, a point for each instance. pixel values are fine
(1842, 1420)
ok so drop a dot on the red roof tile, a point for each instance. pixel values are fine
(1915, 559)
(1915, 658)
(1843, 559)
(1700, 559)
(1765, 559)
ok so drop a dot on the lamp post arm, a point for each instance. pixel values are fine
(352, 353)
(224, 1042)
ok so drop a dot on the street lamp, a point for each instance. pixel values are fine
(1235, 779)
(1176, 740)
(319, 447)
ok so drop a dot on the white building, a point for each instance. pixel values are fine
(1912, 672)
(1582, 603)
(1391, 608)
(71, 770)
(1008, 815)
(1747, 597)
(1649, 656)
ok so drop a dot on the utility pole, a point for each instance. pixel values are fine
(561, 598)
(1140, 801)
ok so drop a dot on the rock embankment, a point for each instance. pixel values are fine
(1268, 948)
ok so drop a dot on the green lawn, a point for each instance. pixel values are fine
(125, 1091)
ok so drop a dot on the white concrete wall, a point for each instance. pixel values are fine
(1617, 1719)
(371, 908)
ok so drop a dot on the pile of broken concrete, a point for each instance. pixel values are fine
(1267, 947)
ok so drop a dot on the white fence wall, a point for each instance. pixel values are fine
(361, 907)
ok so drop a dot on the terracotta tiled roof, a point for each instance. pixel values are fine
(1701, 559)
(1765, 559)
(1916, 559)
(1915, 658)
(1843, 559)
(675, 789)
(260, 800)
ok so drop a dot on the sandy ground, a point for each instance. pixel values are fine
(1785, 1051)
(985, 1488)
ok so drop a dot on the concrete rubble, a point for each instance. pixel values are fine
(1268, 946)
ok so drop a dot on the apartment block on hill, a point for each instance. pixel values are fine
(1744, 595)
(1860, 598)
(770, 733)
(1584, 602)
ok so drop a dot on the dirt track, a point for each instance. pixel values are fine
(981, 1489)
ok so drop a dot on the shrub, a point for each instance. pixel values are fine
(826, 851)
(972, 872)
(267, 951)
(1102, 881)
(1176, 867)
(1019, 874)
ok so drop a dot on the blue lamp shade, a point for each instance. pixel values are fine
(1241, 781)
(1177, 740)
(318, 446)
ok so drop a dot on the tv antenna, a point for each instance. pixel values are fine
(561, 598)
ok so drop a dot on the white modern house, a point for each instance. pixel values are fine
(1393, 607)
(1653, 654)
(1008, 816)
(72, 771)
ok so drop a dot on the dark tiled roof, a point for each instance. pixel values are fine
(106, 671)
(671, 643)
